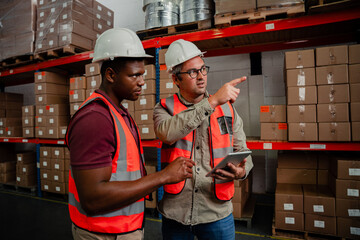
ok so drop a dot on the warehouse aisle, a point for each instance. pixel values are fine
(23, 216)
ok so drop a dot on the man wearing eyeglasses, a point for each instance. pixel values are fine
(205, 128)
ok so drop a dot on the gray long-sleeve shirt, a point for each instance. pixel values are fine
(197, 203)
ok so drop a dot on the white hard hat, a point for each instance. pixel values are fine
(118, 42)
(180, 51)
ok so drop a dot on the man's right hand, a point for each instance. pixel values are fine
(228, 92)
(178, 170)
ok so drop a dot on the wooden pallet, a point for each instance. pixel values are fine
(175, 29)
(17, 61)
(301, 235)
(248, 213)
(258, 15)
(59, 52)
(321, 6)
(21, 189)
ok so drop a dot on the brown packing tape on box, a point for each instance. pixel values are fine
(338, 112)
(335, 131)
(339, 93)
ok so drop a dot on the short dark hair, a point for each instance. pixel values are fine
(117, 64)
(176, 70)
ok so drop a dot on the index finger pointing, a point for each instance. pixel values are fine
(237, 81)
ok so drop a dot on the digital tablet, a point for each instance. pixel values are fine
(234, 158)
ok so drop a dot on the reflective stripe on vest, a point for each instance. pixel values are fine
(126, 166)
(220, 145)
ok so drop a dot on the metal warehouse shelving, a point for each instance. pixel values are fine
(305, 31)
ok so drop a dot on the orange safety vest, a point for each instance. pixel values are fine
(220, 140)
(125, 167)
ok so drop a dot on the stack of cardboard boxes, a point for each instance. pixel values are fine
(28, 121)
(10, 114)
(51, 92)
(273, 123)
(54, 169)
(333, 93)
(153, 202)
(344, 180)
(71, 22)
(241, 196)
(301, 95)
(354, 79)
(18, 25)
(7, 165)
(26, 169)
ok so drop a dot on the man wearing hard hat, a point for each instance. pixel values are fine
(107, 180)
(204, 128)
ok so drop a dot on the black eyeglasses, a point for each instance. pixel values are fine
(193, 73)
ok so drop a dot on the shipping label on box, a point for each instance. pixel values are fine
(348, 189)
(338, 112)
(300, 59)
(301, 113)
(339, 93)
(320, 224)
(335, 132)
(289, 220)
(274, 131)
(347, 208)
(332, 55)
(10, 122)
(145, 102)
(147, 131)
(40, 121)
(28, 121)
(348, 227)
(74, 107)
(319, 200)
(302, 95)
(334, 74)
(52, 132)
(300, 77)
(40, 132)
(58, 152)
(144, 117)
(40, 110)
(62, 131)
(28, 110)
(273, 113)
(167, 86)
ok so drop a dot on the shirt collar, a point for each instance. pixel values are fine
(183, 100)
(122, 110)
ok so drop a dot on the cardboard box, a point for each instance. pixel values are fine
(58, 187)
(147, 131)
(40, 121)
(273, 113)
(28, 132)
(300, 77)
(8, 177)
(11, 97)
(57, 121)
(354, 92)
(348, 227)
(347, 189)
(46, 99)
(57, 110)
(11, 105)
(11, 132)
(354, 73)
(51, 88)
(28, 168)
(89, 92)
(273, 131)
(301, 113)
(45, 152)
(289, 198)
(346, 168)
(75, 40)
(28, 121)
(289, 220)
(320, 224)
(26, 180)
(10, 122)
(303, 132)
(335, 132)
(347, 208)
(26, 157)
(164, 74)
(339, 93)
(301, 95)
(129, 105)
(332, 55)
(92, 69)
(241, 194)
(45, 185)
(28, 110)
(355, 111)
(354, 54)
(40, 132)
(9, 166)
(62, 131)
(93, 82)
(333, 74)
(300, 59)
(145, 102)
(322, 177)
(150, 72)
(355, 127)
(318, 200)
(297, 159)
(45, 163)
(162, 56)
(50, 77)
(167, 86)
(58, 176)
(77, 95)
(324, 160)
(149, 87)
(58, 152)
(10, 113)
(40, 110)
(144, 117)
(229, 6)
(296, 176)
(78, 83)
(338, 112)
(74, 107)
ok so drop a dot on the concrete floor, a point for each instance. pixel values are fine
(24, 216)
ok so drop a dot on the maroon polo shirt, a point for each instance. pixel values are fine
(92, 135)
